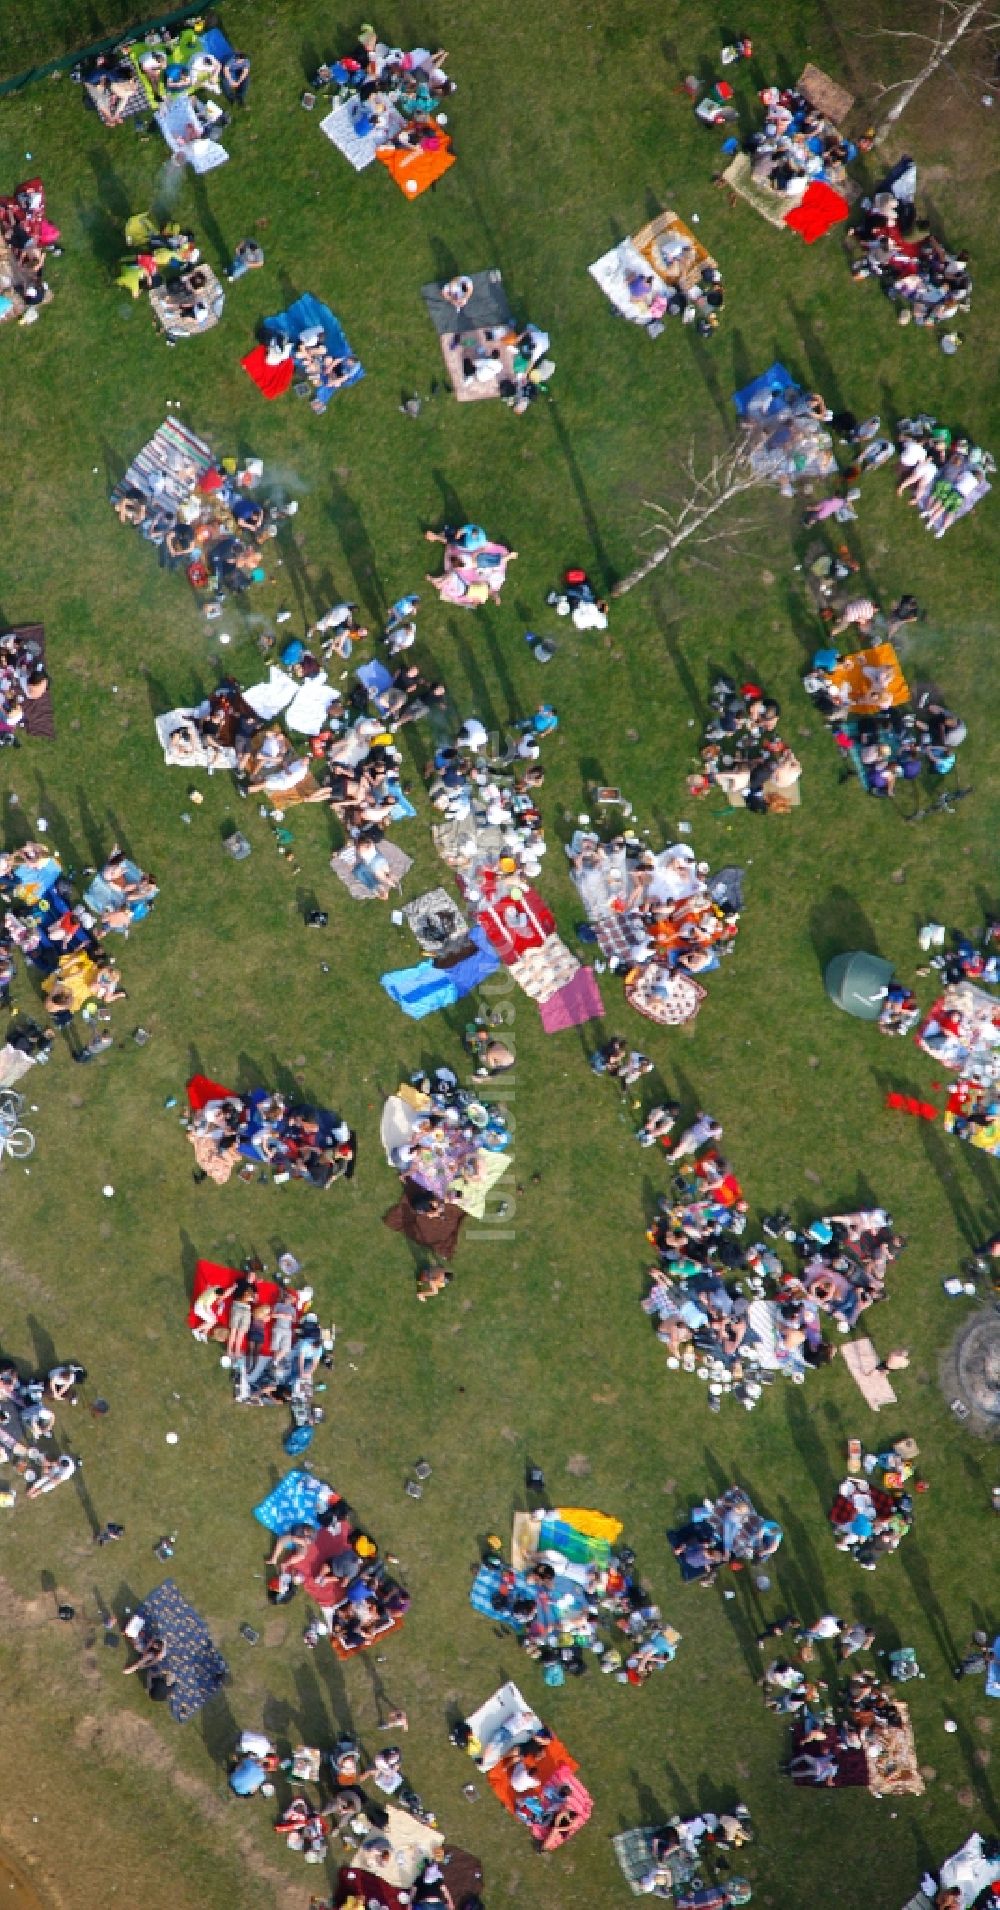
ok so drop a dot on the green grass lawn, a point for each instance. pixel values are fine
(570, 131)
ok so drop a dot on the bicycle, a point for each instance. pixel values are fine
(945, 803)
(15, 1140)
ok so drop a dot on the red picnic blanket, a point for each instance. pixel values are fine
(818, 209)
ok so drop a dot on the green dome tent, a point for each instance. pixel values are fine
(856, 982)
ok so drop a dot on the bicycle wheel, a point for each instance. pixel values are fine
(19, 1143)
(10, 1105)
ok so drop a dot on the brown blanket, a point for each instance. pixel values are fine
(39, 717)
(438, 1232)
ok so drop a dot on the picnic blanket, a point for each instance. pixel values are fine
(852, 1765)
(437, 922)
(204, 284)
(669, 999)
(634, 1851)
(438, 1233)
(310, 314)
(199, 1668)
(183, 128)
(425, 988)
(129, 99)
(829, 98)
(576, 1002)
(169, 465)
(968, 1870)
(209, 1273)
(180, 724)
(891, 1754)
(354, 133)
(415, 171)
(819, 208)
(771, 205)
(477, 343)
(962, 1028)
(271, 380)
(868, 696)
(486, 310)
(39, 716)
(356, 876)
(861, 1360)
(297, 1499)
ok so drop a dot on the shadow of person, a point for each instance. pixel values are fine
(103, 216)
(189, 1257)
(86, 1501)
(916, 1570)
(588, 511)
(837, 922)
(208, 224)
(59, 832)
(684, 1800)
(822, 372)
(43, 1343)
(669, 628)
(92, 832)
(219, 1731)
(359, 552)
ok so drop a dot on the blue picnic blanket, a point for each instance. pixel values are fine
(420, 990)
(101, 895)
(199, 1668)
(297, 1499)
(993, 1671)
(483, 1590)
(766, 394)
(306, 313)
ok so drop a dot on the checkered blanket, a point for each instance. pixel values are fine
(199, 1669)
(165, 459)
(609, 928)
(634, 1851)
(297, 1499)
(482, 1592)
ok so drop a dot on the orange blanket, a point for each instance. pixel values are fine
(885, 688)
(414, 171)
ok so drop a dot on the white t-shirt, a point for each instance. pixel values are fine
(911, 453)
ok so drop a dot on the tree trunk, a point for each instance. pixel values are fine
(938, 58)
(642, 571)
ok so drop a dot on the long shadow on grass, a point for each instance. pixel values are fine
(821, 368)
(943, 1159)
(358, 549)
(701, 350)
(59, 829)
(92, 830)
(838, 922)
(209, 224)
(43, 1343)
(670, 631)
(914, 1565)
(218, 1728)
(583, 497)
(105, 220)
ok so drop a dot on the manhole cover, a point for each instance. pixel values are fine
(971, 1372)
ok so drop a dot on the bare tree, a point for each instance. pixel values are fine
(958, 22)
(730, 475)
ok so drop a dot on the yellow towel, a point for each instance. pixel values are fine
(593, 1525)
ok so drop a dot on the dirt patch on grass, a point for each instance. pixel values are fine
(123, 1735)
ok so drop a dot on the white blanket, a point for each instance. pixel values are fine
(180, 723)
(181, 127)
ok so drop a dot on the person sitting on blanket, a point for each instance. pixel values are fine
(23, 680)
